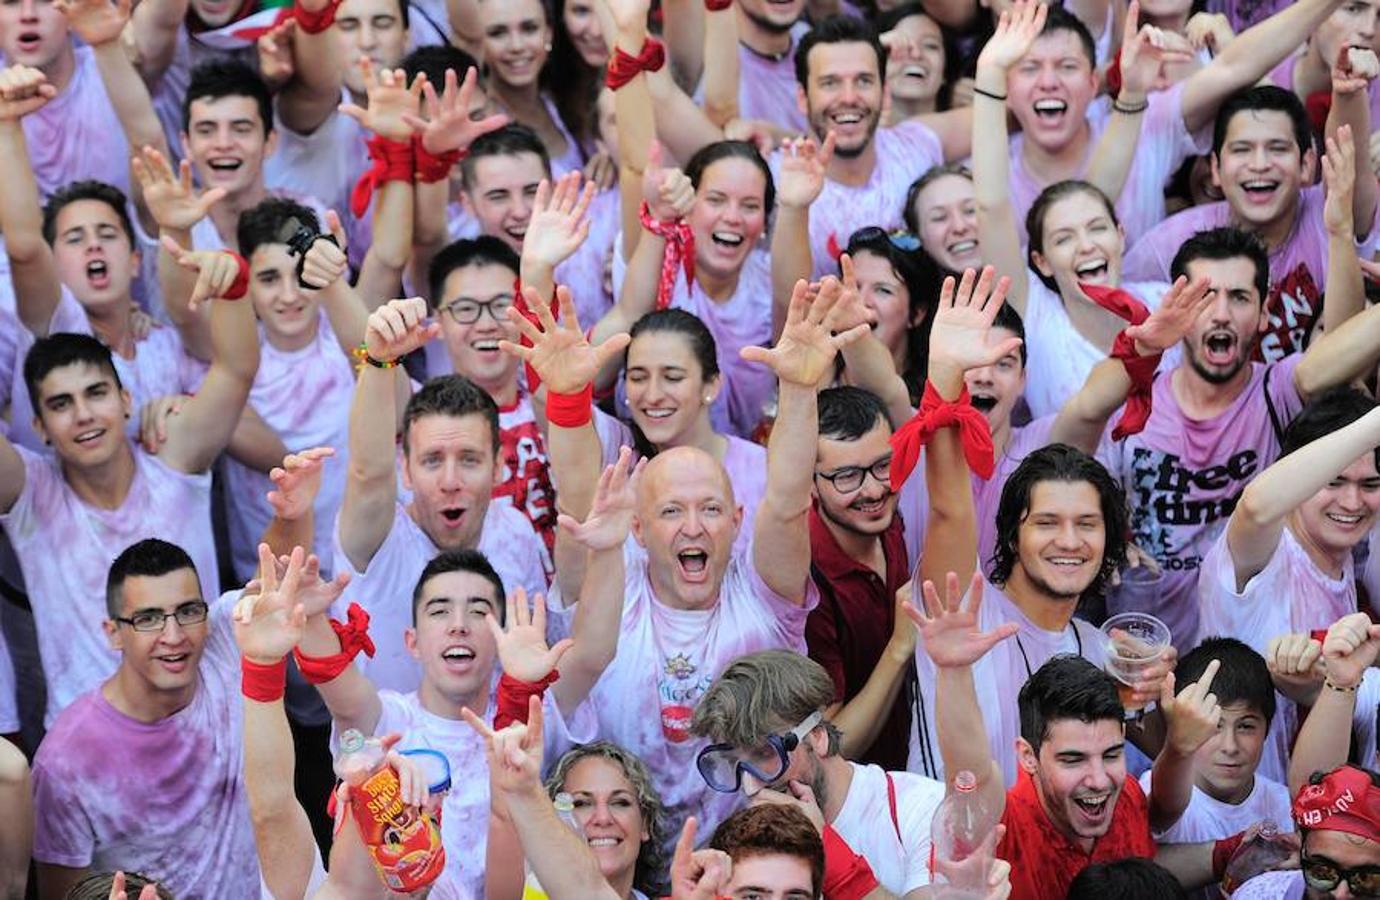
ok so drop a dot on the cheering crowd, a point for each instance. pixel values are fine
(736, 439)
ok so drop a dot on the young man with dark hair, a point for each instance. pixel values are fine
(776, 852)
(99, 491)
(1126, 879)
(161, 733)
(1263, 160)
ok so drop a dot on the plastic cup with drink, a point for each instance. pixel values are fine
(1135, 642)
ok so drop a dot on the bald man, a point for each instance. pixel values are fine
(676, 617)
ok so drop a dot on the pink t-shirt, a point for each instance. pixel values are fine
(987, 493)
(304, 396)
(465, 810)
(667, 659)
(904, 153)
(1282, 75)
(1290, 595)
(384, 588)
(1183, 477)
(160, 368)
(166, 799)
(588, 270)
(1164, 145)
(767, 89)
(1298, 267)
(77, 134)
(998, 677)
(65, 549)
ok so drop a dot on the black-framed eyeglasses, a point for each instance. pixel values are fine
(467, 312)
(901, 240)
(1322, 874)
(193, 612)
(850, 478)
(722, 765)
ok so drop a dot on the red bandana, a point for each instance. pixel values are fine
(935, 413)
(680, 253)
(1140, 368)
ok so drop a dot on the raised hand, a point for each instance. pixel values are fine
(153, 420)
(560, 220)
(1017, 29)
(1354, 70)
(1339, 175)
(958, 338)
(1192, 715)
(1184, 302)
(602, 170)
(171, 199)
(560, 354)
(615, 500)
(698, 874)
(269, 623)
(327, 263)
(667, 190)
(851, 310)
(1146, 52)
(1349, 649)
(448, 125)
(276, 65)
(95, 21)
(800, 796)
(391, 102)
(1296, 665)
(296, 482)
(1209, 31)
(521, 641)
(629, 15)
(805, 352)
(803, 164)
(23, 90)
(950, 632)
(314, 594)
(118, 892)
(397, 328)
(216, 270)
(514, 752)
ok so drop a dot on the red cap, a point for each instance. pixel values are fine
(1345, 799)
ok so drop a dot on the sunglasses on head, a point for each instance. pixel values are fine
(901, 240)
(722, 765)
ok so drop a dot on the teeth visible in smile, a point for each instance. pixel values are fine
(915, 72)
(1258, 185)
(89, 435)
(485, 345)
(223, 164)
(962, 246)
(1345, 520)
(658, 413)
(848, 118)
(1050, 106)
(458, 653)
(727, 237)
(1065, 561)
(1092, 805)
(603, 842)
(1096, 265)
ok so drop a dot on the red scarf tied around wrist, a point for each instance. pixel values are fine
(935, 413)
(1141, 369)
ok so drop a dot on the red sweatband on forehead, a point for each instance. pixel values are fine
(393, 161)
(936, 413)
(680, 253)
(1141, 369)
(1344, 799)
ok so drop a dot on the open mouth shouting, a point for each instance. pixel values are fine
(693, 563)
(29, 41)
(731, 240)
(1093, 271)
(916, 71)
(487, 346)
(452, 517)
(984, 403)
(1093, 809)
(1050, 110)
(1219, 348)
(224, 167)
(1259, 191)
(98, 274)
(458, 657)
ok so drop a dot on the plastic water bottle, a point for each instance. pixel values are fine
(565, 810)
(960, 829)
(1266, 851)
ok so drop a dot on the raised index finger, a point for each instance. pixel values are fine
(1205, 683)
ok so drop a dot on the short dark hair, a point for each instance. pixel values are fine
(1059, 462)
(846, 413)
(923, 278)
(484, 250)
(838, 29)
(1336, 407)
(454, 396)
(97, 886)
(65, 349)
(886, 20)
(1221, 244)
(461, 561)
(1035, 217)
(1066, 687)
(1060, 19)
(1242, 677)
(771, 830)
(1263, 98)
(87, 189)
(149, 558)
(435, 60)
(1008, 318)
(687, 325)
(709, 154)
(263, 223)
(512, 139)
(1133, 878)
(225, 77)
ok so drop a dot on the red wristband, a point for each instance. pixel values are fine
(393, 161)
(1222, 852)
(680, 253)
(847, 876)
(570, 410)
(263, 683)
(354, 637)
(935, 413)
(240, 286)
(624, 67)
(433, 167)
(315, 22)
(511, 702)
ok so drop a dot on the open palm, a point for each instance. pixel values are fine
(560, 353)
(615, 499)
(521, 640)
(964, 318)
(269, 623)
(805, 352)
(948, 630)
(1180, 308)
(448, 125)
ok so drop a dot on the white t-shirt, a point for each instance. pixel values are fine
(900, 862)
(77, 135)
(65, 549)
(1272, 886)
(304, 396)
(384, 588)
(667, 659)
(1209, 819)
(465, 811)
(167, 798)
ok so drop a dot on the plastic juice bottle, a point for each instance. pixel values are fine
(565, 809)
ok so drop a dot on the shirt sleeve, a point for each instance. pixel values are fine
(63, 834)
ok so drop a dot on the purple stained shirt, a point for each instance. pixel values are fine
(1244, 13)
(1183, 477)
(1164, 144)
(77, 135)
(166, 799)
(987, 493)
(767, 89)
(1298, 266)
(1283, 76)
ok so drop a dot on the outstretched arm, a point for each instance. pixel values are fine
(1346, 294)
(801, 359)
(558, 226)
(24, 90)
(1324, 741)
(157, 24)
(803, 166)
(312, 94)
(721, 65)
(1254, 528)
(1192, 718)
(1352, 74)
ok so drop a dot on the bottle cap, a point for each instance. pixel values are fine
(436, 767)
(965, 782)
(564, 802)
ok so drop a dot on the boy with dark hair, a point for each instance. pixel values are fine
(776, 852)
(1126, 879)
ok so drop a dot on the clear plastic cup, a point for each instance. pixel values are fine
(1135, 642)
